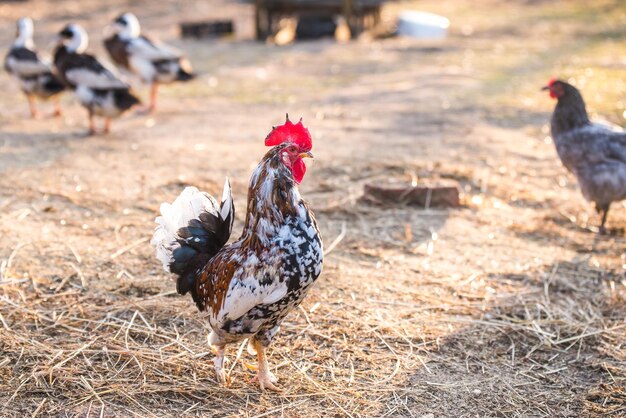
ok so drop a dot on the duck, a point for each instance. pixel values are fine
(33, 73)
(97, 88)
(154, 62)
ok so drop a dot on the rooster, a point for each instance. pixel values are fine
(247, 287)
(594, 153)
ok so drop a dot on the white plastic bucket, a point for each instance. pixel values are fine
(422, 25)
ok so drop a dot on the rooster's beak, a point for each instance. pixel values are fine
(545, 88)
(307, 154)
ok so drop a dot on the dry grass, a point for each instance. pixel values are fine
(68, 349)
(509, 306)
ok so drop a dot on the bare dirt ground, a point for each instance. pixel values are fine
(509, 306)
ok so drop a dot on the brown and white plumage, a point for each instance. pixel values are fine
(32, 72)
(154, 62)
(249, 286)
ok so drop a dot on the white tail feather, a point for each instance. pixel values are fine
(186, 207)
(227, 199)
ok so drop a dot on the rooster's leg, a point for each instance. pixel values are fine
(264, 377)
(221, 374)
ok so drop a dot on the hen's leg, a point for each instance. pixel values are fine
(605, 212)
(264, 377)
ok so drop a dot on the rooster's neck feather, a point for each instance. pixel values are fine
(272, 197)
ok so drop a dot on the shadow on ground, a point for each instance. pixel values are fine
(558, 338)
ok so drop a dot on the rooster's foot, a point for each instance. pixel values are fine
(223, 378)
(266, 380)
(253, 367)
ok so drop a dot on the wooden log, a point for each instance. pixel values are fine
(424, 196)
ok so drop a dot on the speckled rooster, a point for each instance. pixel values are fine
(249, 286)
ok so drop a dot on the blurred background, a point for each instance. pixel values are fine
(504, 302)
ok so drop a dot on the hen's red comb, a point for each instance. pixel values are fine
(552, 81)
(290, 132)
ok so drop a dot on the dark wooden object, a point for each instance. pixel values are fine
(206, 29)
(423, 196)
(359, 14)
(315, 26)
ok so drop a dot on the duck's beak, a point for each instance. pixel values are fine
(307, 154)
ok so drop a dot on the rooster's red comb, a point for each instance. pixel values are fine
(552, 81)
(290, 132)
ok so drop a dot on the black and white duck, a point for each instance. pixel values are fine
(154, 62)
(32, 72)
(100, 91)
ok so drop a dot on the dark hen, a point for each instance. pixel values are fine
(594, 153)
